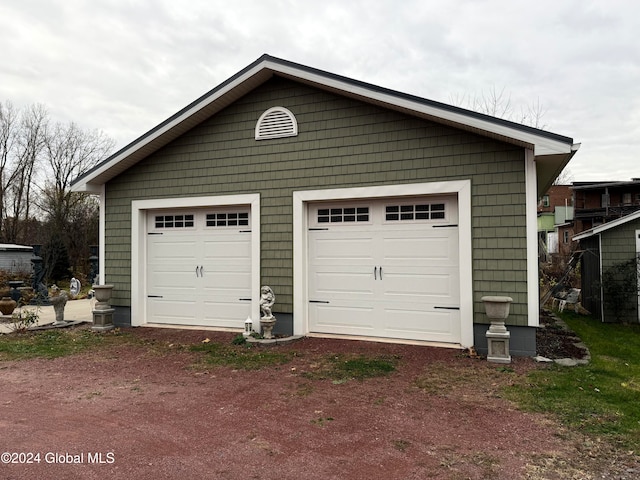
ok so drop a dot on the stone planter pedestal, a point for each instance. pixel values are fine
(102, 312)
(267, 325)
(497, 310)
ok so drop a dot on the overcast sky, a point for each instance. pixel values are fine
(123, 66)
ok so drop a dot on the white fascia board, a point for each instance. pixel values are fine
(606, 226)
(86, 186)
(541, 145)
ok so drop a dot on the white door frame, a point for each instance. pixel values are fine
(139, 210)
(461, 188)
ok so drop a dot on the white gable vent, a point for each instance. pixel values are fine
(277, 122)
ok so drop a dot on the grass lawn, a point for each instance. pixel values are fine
(601, 398)
(55, 343)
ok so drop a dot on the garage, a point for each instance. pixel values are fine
(385, 268)
(198, 266)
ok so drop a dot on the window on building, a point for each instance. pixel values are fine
(343, 215)
(545, 201)
(174, 221)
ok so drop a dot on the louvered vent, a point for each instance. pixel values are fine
(277, 122)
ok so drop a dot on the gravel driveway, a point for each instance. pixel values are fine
(144, 411)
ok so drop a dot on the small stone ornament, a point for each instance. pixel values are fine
(58, 299)
(267, 321)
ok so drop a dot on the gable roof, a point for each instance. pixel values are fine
(607, 226)
(552, 151)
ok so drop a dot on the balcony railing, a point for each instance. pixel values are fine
(606, 212)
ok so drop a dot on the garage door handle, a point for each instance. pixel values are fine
(380, 273)
(375, 273)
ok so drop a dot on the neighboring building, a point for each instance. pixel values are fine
(15, 258)
(555, 223)
(600, 202)
(371, 213)
(609, 269)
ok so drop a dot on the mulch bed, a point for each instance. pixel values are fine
(554, 340)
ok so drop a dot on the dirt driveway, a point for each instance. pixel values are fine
(140, 412)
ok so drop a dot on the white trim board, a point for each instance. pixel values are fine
(139, 210)
(462, 188)
(531, 219)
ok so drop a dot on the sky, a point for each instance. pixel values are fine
(124, 66)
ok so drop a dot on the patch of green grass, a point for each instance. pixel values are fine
(54, 343)
(321, 421)
(246, 357)
(401, 444)
(601, 398)
(342, 368)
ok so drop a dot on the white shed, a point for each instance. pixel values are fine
(15, 258)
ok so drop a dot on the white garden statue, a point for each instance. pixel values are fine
(267, 321)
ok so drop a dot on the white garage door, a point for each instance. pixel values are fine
(386, 268)
(199, 267)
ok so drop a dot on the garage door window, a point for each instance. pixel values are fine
(174, 221)
(422, 211)
(343, 215)
(228, 219)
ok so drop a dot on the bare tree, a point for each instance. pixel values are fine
(38, 161)
(69, 152)
(565, 178)
(21, 141)
(29, 145)
(8, 134)
(498, 103)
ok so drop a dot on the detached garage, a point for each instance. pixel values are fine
(371, 213)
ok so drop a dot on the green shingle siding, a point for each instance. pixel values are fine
(341, 143)
(618, 245)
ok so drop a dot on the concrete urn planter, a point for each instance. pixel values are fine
(102, 294)
(497, 310)
(102, 312)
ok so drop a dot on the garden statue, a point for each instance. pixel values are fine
(267, 321)
(58, 299)
(267, 299)
(39, 288)
(74, 287)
